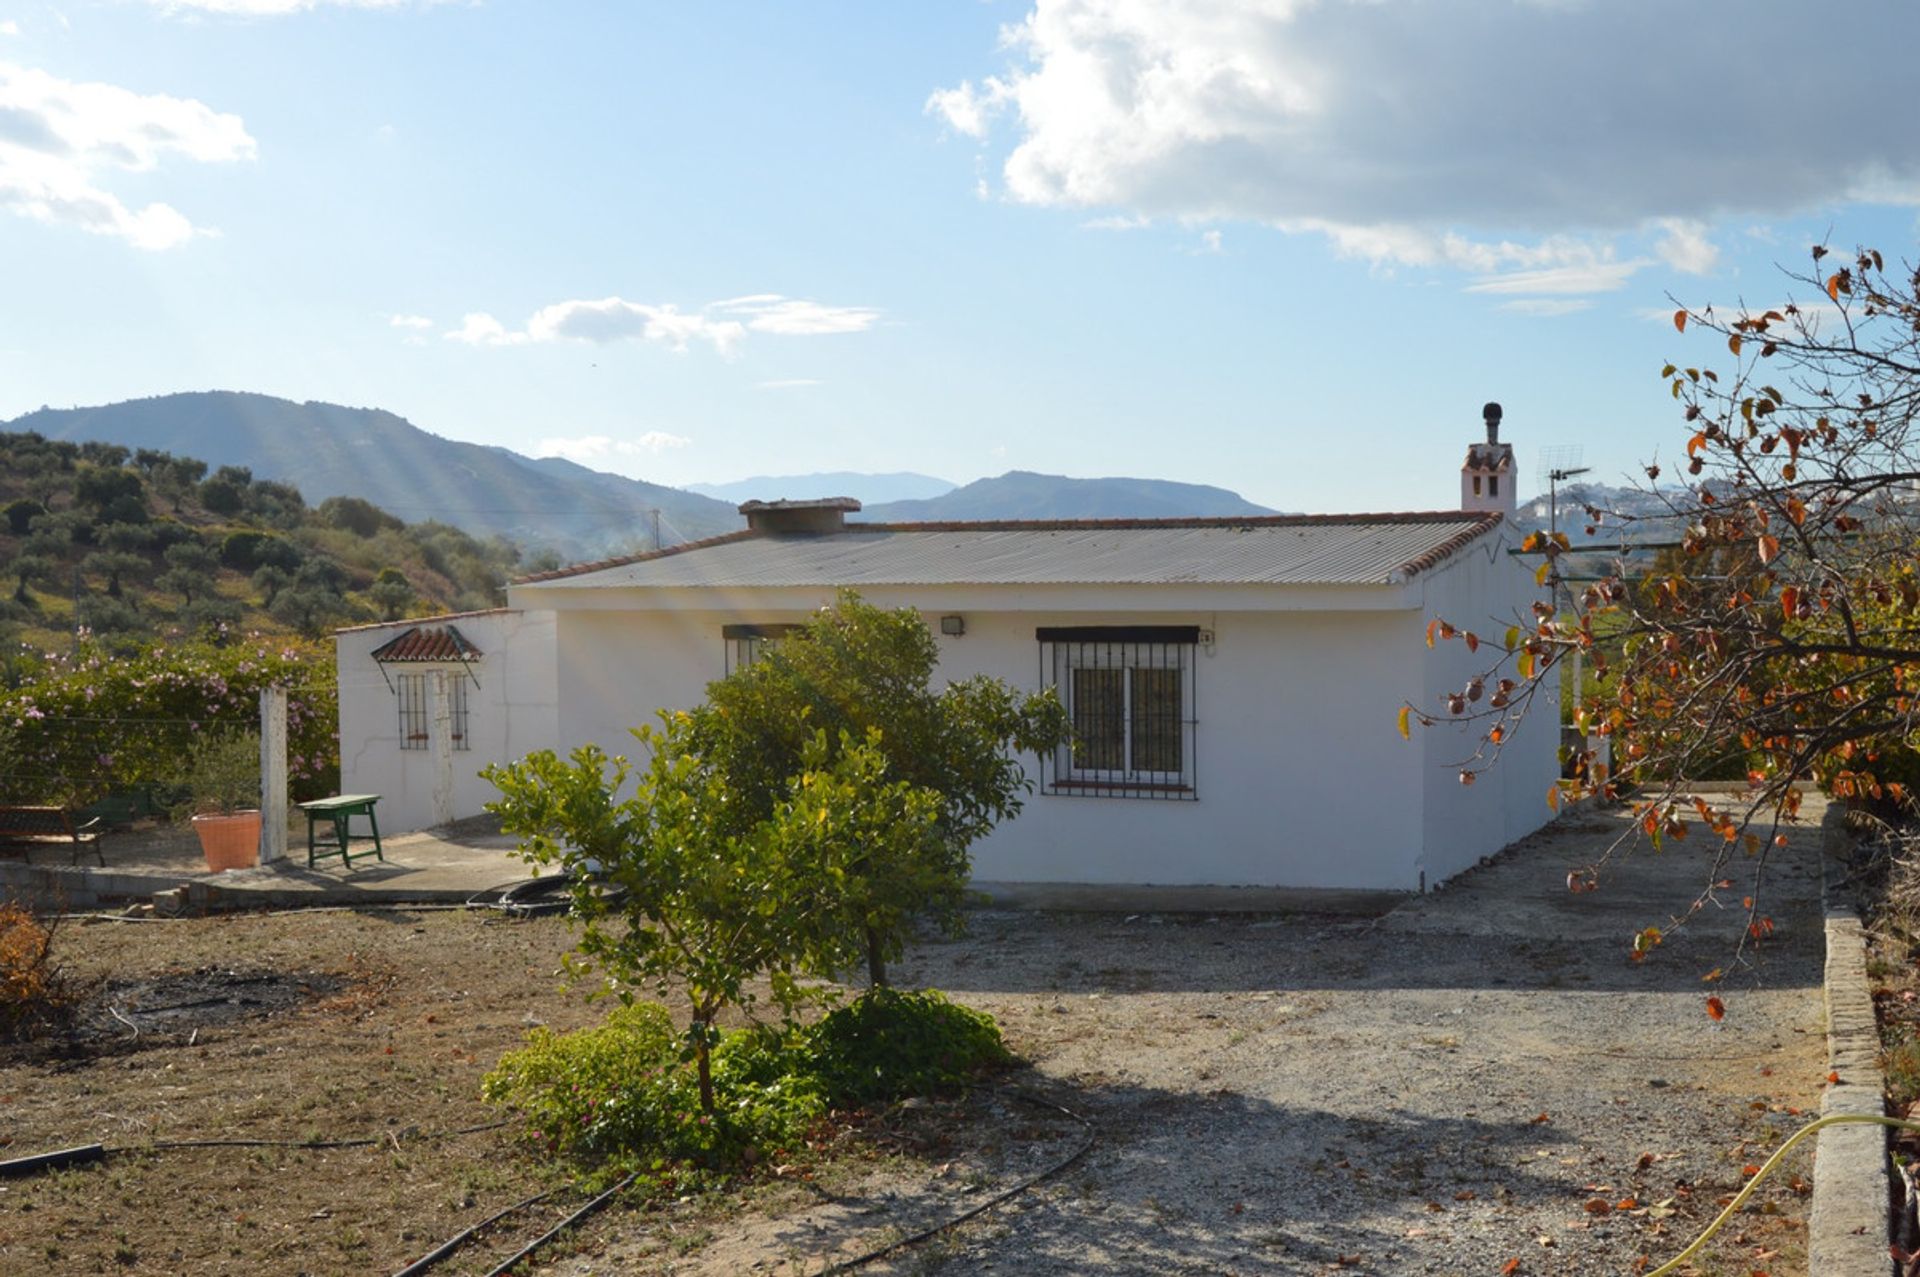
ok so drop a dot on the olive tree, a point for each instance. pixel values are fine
(1780, 633)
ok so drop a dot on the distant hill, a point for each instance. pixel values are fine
(327, 450)
(1021, 494)
(869, 489)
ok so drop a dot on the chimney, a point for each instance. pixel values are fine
(805, 518)
(1487, 477)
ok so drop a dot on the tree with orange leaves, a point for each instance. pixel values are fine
(1779, 631)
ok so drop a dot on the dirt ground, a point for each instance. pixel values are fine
(1479, 1076)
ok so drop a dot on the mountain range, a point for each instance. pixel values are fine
(548, 503)
(327, 450)
(1021, 494)
(869, 489)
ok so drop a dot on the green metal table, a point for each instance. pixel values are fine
(339, 812)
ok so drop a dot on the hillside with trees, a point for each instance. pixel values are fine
(330, 450)
(137, 545)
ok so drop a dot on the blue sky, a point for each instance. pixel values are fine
(1284, 246)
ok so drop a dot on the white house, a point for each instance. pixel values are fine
(1234, 683)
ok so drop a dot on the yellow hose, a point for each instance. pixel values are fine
(1832, 1119)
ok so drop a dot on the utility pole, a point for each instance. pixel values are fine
(1555, 478)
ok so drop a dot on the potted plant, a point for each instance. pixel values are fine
(222, 777)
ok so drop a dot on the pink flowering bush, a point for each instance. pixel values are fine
(80, 725)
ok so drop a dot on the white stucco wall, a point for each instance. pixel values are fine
(1302, 779)
(1485, 590)
(510, 712)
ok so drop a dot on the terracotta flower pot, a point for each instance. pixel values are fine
(230, 842)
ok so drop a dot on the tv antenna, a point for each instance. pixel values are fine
(1559, 462)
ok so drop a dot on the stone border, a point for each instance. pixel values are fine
(1847, 1227)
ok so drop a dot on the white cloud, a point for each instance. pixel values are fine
(613, 318)
(59, 139)
(481, 329)
(9, 27)
(723, 324)
(586, 449)
(1685, 247)
(1439, 134)
(1587, 277)
(410, 321)
(969, 110)
(792, 317)
(1548, 307)
(1815, 316)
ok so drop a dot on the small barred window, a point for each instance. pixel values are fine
(1129, 693)
(746, 643)
(416, 710)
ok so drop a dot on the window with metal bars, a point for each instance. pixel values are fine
(416, 710)
(1130, 695)
(745, 643)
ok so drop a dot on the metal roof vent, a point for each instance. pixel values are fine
(828, 514)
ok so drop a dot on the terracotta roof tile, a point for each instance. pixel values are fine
(426, 643)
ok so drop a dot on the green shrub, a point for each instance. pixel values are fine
(888, 1043)
(624, 1094)
(621, 1093)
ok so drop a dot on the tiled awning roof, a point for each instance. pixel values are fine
(426, 643)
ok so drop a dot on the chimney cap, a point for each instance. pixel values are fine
(1491, 412)
(826, 514)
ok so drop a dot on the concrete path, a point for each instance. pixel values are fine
(435, 866)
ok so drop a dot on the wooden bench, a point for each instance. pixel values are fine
(339, 812)
(30, 827)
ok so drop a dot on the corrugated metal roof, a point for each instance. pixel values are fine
(426, 643)
(1369, 549)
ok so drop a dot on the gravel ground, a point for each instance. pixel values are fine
(1475, 1078)
(1480, 1076)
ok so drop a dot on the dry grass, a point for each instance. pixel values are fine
(426, 1003)
(37, 994)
